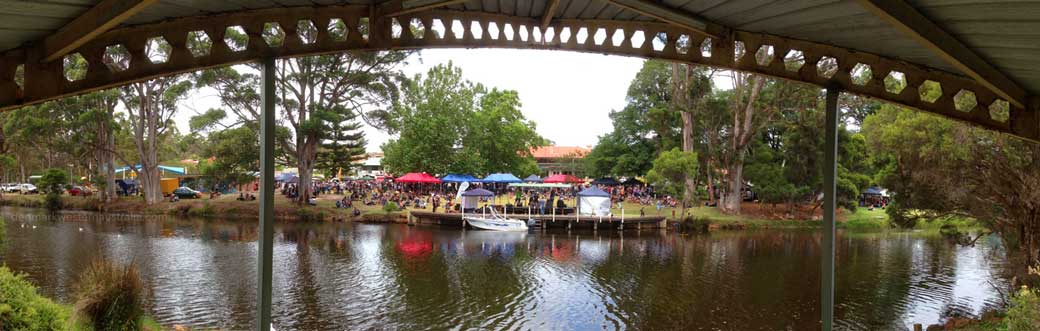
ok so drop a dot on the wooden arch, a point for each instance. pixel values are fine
(25, 80)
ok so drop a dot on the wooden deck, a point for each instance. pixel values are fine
(548, 221)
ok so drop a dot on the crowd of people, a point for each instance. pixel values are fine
(443, 197)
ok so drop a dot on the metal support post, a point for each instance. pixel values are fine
(830, 165)
(266, 240)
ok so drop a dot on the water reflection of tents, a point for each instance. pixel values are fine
(416, 246)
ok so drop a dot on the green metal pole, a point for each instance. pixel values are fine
(266, 241)
(830, 169)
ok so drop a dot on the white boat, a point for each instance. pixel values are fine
(495, 223)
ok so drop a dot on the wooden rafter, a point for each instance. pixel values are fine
(414, 6)
(912, 23)
(95, 21)
(550, 11)
(665, 14)
(659, 40)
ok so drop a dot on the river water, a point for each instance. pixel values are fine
(336, 276)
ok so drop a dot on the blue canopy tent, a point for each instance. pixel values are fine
(501, 178)
(533, 179)
(458, 178)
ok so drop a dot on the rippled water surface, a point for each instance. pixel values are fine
(359, 276)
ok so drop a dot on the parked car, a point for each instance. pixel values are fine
(9, 187)
(27, 189)
(80, 191)
(184, 192)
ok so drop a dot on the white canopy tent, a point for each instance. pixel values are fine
(593, 201)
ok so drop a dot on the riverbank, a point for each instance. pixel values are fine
(227, 207)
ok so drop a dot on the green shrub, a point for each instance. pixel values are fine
(693, 223)
(22, 308)
(3, 233)
(307, 214)
(390, 207)
(1024, 312)
(52, 202)
(110, 296)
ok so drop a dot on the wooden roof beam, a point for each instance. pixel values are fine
(95, 21)
(550, 11)
(672, 16)
(912, 23)
(412, 6)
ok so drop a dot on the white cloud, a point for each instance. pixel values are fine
(567, 94)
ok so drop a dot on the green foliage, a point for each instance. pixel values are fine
(1024, 311)
(3, 234)
(22, 308)
(669, 171)
(343, 146)
(110, 296)
(644, 127)
(53, 181)
(391, 207)
(235, 153)
(446, 124)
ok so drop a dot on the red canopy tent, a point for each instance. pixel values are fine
(415, 177)
(562, 178)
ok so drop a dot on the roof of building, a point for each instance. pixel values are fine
(554, 152)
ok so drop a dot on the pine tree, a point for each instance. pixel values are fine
(345, 143)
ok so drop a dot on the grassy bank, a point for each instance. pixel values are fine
(225, 207)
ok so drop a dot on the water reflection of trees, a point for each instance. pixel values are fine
(356, 276)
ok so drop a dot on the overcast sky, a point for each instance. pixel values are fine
(567, 94)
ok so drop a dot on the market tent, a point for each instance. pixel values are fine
(501, 178)
(593, 201)
(176, 170)
(287, 177)
(606, 181)
(416, 177)
(457, 178)
(539, 185)
(471, 198)
(562, 178)
(632, 181)
(533, 179)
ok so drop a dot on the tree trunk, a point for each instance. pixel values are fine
(305, 164)
(735, 194)
(687, 142)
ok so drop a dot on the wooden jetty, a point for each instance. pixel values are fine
(417, 217)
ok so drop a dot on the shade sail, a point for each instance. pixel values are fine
(533, 179)
(417, 177)
(608, 181)
(561, 178)
(176, 170)
(539, 185)
(458, 178)
(501, 178)
(478, 192)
